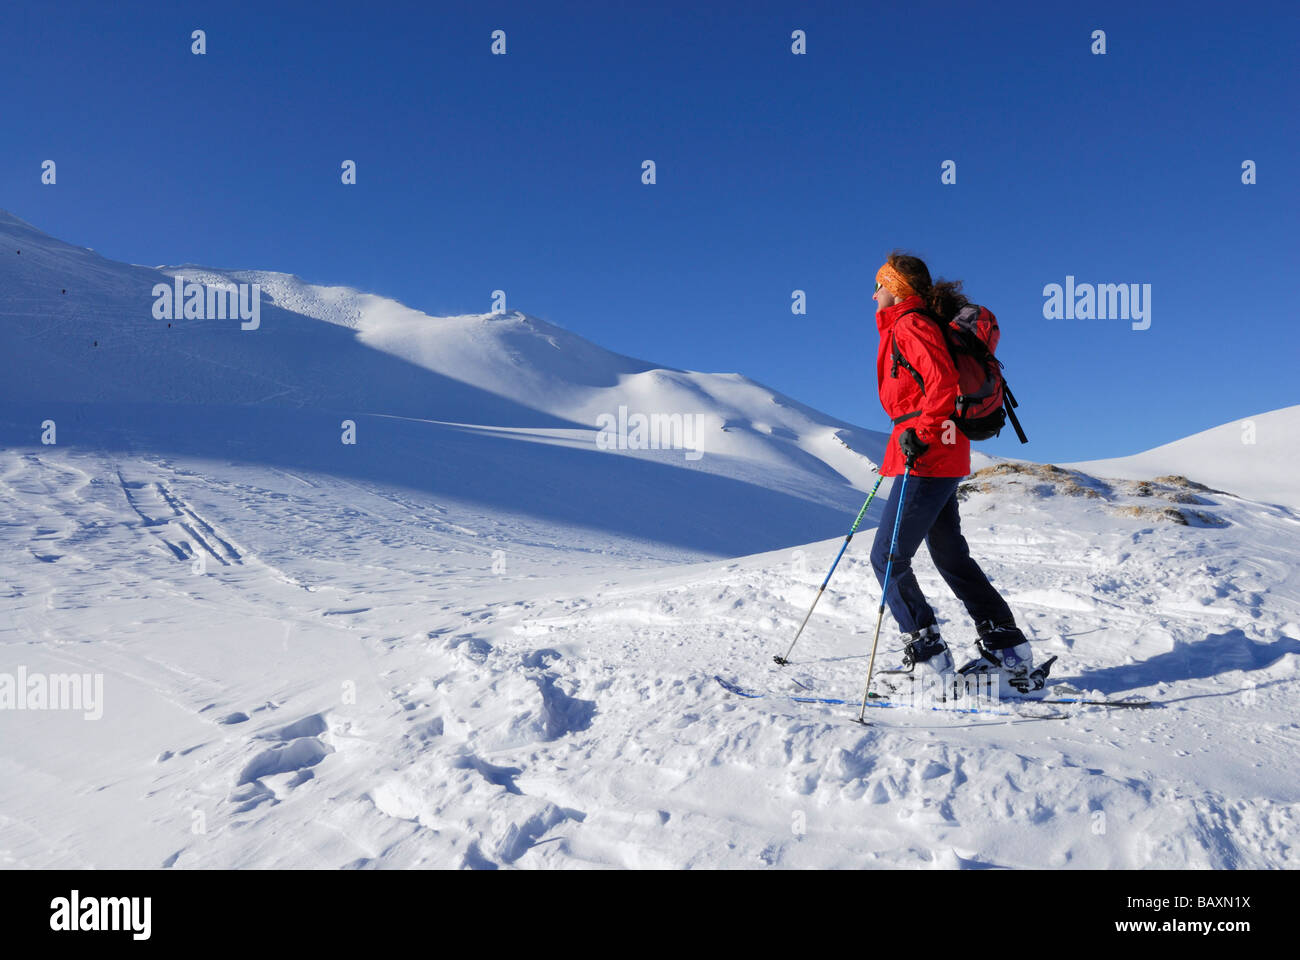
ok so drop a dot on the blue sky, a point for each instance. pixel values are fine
(775, 172)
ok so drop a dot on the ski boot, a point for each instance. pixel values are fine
(923, 648)
(1004, 649)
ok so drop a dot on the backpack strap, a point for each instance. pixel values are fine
(1011, 412)
(900, 359)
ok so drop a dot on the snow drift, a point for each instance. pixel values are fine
(474, 640)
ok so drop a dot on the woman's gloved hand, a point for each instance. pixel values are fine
(911, 446)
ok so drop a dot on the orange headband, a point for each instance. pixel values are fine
(893, 281)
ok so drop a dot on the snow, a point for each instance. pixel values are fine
(474, 640)
(1254, 457)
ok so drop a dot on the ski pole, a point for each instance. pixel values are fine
(880, 616)
(861, 513)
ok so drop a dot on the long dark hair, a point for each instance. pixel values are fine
(942, 297)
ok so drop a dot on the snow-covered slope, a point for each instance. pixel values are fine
(543, 367)
(1256, 457)
(474, 640)
(358, 676)
(83, 348)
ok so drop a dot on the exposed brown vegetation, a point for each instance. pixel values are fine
(1047, 479)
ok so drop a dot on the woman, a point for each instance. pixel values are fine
(918, 389)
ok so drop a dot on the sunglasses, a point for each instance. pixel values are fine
(877, 290)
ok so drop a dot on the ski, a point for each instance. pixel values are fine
(1061, 695)
(755, 695)
(1135, 703)
(804, 683)
(878, 702)
(1067, 697)
(1064, 695)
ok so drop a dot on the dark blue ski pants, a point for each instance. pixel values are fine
(930, 514)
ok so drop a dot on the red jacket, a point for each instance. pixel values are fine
(921, 343)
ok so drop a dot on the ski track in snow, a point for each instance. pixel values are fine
(350, 684)
(474, 640)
